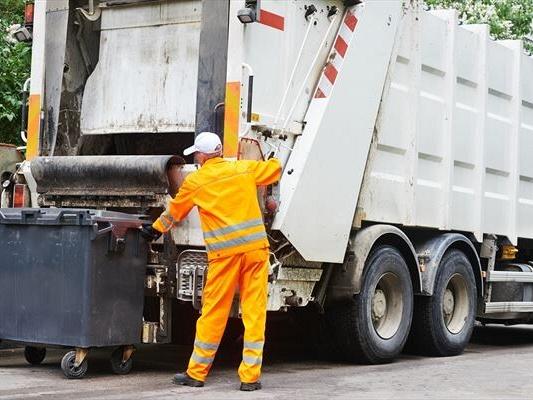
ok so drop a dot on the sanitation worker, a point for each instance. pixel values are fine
(225, 193)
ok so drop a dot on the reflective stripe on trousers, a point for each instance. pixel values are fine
(250, 272)
(204, 353)
(252, 353)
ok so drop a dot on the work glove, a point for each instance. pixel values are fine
(150, 233)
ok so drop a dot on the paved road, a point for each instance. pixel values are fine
(497, 365)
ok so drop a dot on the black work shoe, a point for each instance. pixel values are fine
(250, 387)
(186, 380)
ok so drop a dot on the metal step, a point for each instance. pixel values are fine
(508, 306)
(190, 273)
(509, 276)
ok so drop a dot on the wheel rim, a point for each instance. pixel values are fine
(455, 304)
(72, 367)
(387, 305)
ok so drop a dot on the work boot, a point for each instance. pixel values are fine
(250, 387)
(186, 380)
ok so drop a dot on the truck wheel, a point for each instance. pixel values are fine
(68, 368)
(34, 355)
(443, 323)
(374, 326)
(117, 365)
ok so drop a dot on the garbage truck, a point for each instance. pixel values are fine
(405, 208)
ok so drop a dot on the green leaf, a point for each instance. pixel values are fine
(507, 19)
(15, 61)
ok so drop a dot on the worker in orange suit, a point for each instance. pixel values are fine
(225, 193)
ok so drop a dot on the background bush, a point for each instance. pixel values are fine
(508, 19)
(15, 60)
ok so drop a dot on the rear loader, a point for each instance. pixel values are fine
(405, 209)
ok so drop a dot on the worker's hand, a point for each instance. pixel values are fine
(150, 233)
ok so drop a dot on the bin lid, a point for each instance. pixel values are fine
(66, 216)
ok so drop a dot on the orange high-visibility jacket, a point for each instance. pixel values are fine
(225, 193)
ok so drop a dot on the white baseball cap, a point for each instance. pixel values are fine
(205, 142)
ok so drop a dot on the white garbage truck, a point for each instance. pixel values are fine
(405, 209)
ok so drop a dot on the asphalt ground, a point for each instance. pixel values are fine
(498, 364)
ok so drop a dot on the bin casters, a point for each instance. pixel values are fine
(34, 355)
(121, 360)
(74, 364)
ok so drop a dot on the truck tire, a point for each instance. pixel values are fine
(373, 327)
(443, 323)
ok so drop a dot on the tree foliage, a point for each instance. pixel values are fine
(15, 61)
(507, 19)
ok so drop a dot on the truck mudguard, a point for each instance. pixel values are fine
(431, 251)
(347, 277)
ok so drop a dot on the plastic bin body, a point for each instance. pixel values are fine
(65, 280)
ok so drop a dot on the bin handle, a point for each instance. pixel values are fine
(3, 217)
(118, 228)
(26, 214)
(104, 230)
(82, 215)
(117, 241)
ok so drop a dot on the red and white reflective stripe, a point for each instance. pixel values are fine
(273, 20)
(336, 57)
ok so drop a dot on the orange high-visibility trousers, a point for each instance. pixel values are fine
(250, 272)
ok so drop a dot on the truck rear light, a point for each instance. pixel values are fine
(246, 15)
(28, 14)
(250, 13)
(19, 195)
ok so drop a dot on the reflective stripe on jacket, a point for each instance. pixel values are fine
(225, 193)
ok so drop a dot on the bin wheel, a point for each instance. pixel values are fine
(34, 355)
(118, 366)
(68, 368)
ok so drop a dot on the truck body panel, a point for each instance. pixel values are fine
(336, 138)
(451, 137)
(146, 78)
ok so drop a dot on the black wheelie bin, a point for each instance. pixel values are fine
(72, 278)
